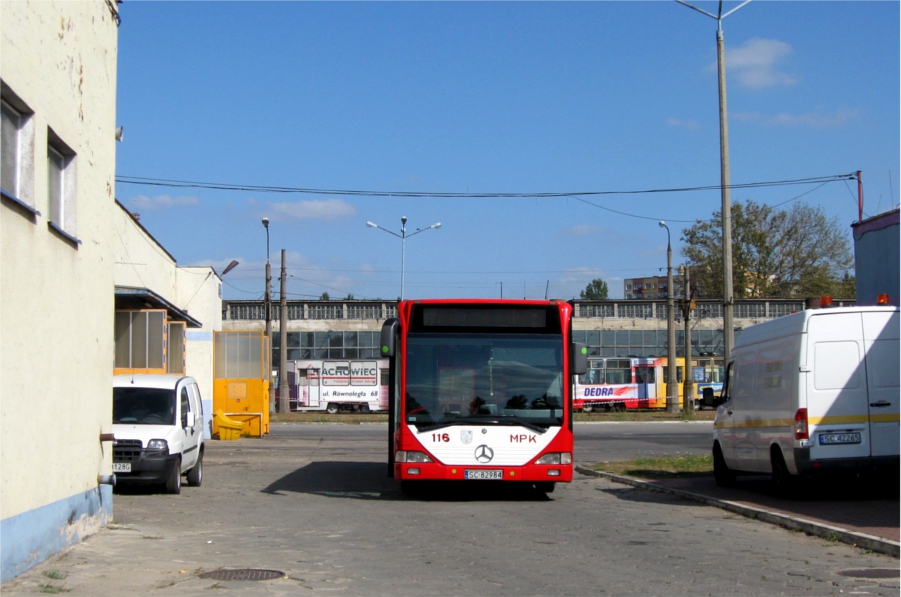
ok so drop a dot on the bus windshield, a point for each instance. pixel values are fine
(491, 378)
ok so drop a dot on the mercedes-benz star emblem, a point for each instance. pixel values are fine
(484, 454)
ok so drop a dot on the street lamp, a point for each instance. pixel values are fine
(403, 243)
(672, 391)
(268, 303)
(728, 299)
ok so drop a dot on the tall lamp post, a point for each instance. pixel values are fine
(728, 298)
(403, 243)
(672, 391)
(268, 314)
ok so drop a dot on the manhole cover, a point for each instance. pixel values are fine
(871, 573)
(242, 574)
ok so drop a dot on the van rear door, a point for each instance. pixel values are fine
(881, 342)
(837, 400)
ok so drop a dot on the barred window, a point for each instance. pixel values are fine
(364, 311)
(636, 311)
(328, 311)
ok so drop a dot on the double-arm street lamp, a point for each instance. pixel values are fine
(728, 299)
(403, 242)
(672, 390)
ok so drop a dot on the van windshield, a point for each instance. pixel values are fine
(144, 406)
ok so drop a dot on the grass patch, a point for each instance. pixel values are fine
(55, 575)
(666, 467)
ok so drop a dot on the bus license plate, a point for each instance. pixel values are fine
(121, 467)
(483, 474)
(839, 438)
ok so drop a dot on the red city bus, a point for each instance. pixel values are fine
(478, 390)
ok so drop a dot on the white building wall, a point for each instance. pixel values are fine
(200, 294)
(141, 262)
(56, 293)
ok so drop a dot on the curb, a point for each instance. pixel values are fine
(817, 529)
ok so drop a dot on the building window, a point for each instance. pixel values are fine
(141, 340)
(61, 186)
(17, 151)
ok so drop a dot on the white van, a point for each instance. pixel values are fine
(158, 426)
(809, 393)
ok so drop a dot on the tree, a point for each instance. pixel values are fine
(796, 253)
(324, 297)
(596, 290)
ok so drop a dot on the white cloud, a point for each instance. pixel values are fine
(813, 120)
(145, 203)
(585, 230)
(319, 209)
(691, 125)
(756, 63)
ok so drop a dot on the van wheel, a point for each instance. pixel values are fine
(364, 408)
(784, 482)
(722, 474)
(195, 475)
(331, 408)
(173, 484)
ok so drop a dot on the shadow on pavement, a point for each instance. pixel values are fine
(369, 481)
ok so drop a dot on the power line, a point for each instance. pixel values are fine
(161, 182)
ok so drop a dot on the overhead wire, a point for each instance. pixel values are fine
(162, 182)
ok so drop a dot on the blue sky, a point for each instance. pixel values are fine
(489, 98)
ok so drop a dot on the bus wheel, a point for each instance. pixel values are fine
(546, 486)
(620, 407)
(587, 408)
(332, 408)
(364, 408)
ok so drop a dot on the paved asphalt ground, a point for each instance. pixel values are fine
(866, 518)
(105, 563)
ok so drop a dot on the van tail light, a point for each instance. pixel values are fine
(801, 424)
(825, 301)
(882, 299)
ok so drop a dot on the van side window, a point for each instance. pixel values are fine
(730, 380)
(185, 407)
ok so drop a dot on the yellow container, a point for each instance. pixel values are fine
(229, 429)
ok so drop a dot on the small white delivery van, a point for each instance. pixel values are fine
(158, 429)
(813, 392)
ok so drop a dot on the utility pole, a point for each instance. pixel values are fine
(284, 404)
(728, 295)
(687, 381)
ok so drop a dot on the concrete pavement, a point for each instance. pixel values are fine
(858, 516)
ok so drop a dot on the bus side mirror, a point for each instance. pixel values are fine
(579, 358)
(388, 340)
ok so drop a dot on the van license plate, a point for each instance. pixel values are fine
(827, 439)
(121, 467)
(483, 474)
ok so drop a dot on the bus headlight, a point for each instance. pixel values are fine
(408, 456)
(556, 458)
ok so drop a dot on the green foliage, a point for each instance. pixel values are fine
(596, 290)
(795, 253)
